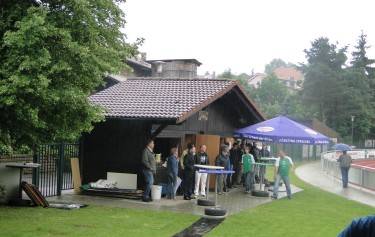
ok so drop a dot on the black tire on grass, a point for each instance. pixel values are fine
(258, 193)
(215, 212)
(204, 202)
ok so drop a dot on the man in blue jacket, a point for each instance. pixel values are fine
(363, 227)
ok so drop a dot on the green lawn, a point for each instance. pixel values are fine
(312, 212)
(90, 221)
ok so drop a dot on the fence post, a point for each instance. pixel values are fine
(314, 151)
(36, 172)
(60, 168)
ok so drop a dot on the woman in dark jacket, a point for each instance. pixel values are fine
(172, 169)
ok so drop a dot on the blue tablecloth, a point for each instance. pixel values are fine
(216, 171)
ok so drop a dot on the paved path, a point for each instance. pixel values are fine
(313, 174)
(235, 201)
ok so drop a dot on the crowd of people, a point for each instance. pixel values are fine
(240, 158)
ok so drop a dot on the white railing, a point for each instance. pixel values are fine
(359, 175)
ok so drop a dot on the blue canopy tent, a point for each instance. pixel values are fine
(282, 130)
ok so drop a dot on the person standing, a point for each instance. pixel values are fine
(201, 158)
(184, 152)
(172, 169)
(221, 160)
(255, 154)
(264, 152)
(248, 168)
(282, 167)
(189, 172)
(241, 152)
(230, 167)
(181, 165)
(148, 169)
(345, 162)
(233, 154)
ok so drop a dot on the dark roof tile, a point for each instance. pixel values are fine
(165, 98)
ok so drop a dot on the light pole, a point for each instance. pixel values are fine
(352, 126)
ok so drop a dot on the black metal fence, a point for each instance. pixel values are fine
(54, 174)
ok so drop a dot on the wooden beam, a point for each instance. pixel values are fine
(159, 130)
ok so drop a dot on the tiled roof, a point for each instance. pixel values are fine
(257, 75)
(288, 74)
(139, 62)
(160, 98)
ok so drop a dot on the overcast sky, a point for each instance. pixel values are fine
(242, 34)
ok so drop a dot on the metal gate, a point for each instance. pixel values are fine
(55, 174)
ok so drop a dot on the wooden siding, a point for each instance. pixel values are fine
(113, 146)
(225, 115)
(177, 69)
(212, 143)
(117, 145)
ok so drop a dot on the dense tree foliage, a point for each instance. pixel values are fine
(364, 68)
(53, 54)
(229, 75)
(270, 96)
(332, 91)
(337, 91)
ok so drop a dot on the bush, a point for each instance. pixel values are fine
(5, 149)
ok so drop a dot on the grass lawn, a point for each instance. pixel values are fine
(312, 212)
(90, 221)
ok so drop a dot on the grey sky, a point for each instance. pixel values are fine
(243, 34)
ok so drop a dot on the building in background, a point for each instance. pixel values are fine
(291, 77)
(174, 68)
(255, 80)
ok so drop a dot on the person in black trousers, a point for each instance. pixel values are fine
(233, 154)
(189, 172)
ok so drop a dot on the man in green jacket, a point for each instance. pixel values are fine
(148, 169)
(248, 168)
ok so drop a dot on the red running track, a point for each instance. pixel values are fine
(368, 165)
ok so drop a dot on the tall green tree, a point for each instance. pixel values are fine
(323, 85)
(53, 54)
(337, 91)
(360, 59)
(362, 80)
(270, 96)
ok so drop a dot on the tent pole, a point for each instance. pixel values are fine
(314, 151)
(308, 153)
